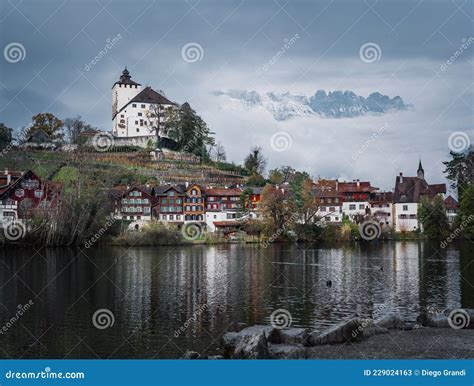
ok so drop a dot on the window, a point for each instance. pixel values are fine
(163, 217)
(19, 192)
(141, 122)
(131, 217)
(336, 218)
(352, 207)
(139, 217)
(178, 201)
(146, 210)
(38, 193)
(138, 130)
(405, 207)
(332, 209)
(30, 184)
(143, 106)
(215, 216)
(136, 122)
(178, 217)
(139, 114)
(122, 116)
(171, 217)
(327, 218)
(413, 216)
(361, 206)
(171, 193)
(323, 209)
(329, 201)
(134, 105)
(194, 192)
(163, 200)
(145, 201)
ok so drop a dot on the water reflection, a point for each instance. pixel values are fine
(154, 292)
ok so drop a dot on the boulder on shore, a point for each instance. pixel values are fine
(391, 322)
(455, 318)
(250, 343)
(345, 331)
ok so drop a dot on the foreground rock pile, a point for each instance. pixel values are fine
(268, 342)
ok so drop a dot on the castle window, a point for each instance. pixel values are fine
(122, 116)
(138, 130)
(134, 105)
(139, 114)
(136, 122)
(141, 122)
(143, 106)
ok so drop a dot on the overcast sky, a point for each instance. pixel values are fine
(239, 40)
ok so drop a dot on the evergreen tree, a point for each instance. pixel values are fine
(189, 130)
(432, 215)
(460, 170)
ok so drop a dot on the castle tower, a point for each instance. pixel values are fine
(122, 92)
(420, 172)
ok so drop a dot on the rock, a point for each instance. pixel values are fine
(252, 347)
(373, 329)
(392, 321)
(433, 320)
(345, 331)
(192, 355)
(287, 351)
(250, 343)
(288, 335)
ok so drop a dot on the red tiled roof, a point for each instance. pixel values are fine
(451, 203)
(346, 187)
(223, 192)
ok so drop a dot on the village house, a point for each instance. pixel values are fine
(169, 206)
(21, 192)
(381, 207)
(355, 198)
(137, 111)
(222, 209)
(134, 203)
(194, 204)
(328, 201)
(452, 208)
(407, 197)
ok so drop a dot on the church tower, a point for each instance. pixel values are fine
(420, 172)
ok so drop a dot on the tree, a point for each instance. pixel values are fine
(47, 122)
(218, 153)
(465, 217)
(256, 180)
(432, 215)
(74, 127)
(460, 170)
(5, 136)
(275, 176)
(276, 208)
(255, 161)
(305, 200)
(189, 130)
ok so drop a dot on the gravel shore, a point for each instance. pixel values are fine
(424, 343)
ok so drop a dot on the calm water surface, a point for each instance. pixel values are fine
(207, 290)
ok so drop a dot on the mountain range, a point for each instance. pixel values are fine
(334, 104)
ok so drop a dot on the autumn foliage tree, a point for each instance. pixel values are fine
(277, 211)
(48, 123)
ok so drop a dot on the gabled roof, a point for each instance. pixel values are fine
(16, 182)
(411, 189)
(451, 203)
(147, 95)
(355, 187)
(223, 192)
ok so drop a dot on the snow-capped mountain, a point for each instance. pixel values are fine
(336, 104)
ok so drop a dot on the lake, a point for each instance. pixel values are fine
(164, 301)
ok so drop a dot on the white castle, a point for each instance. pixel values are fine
(137, 111)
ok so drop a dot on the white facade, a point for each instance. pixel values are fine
(330, 214)
(406, 216)
(353, 208)
(383, 212)
(137, 111)
(211, 217)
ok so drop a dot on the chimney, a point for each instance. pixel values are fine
(187, 184)
(358, 183)
(401, 177)
(337, 185)
(6, 172)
